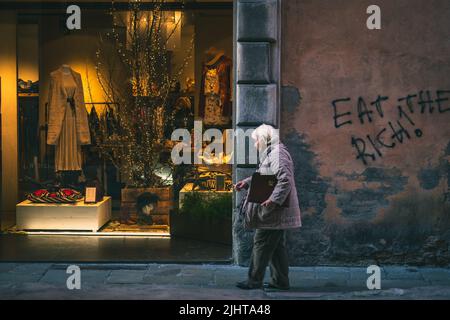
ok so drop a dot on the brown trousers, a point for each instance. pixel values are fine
(269, 249)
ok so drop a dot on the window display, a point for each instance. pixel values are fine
(96, 121)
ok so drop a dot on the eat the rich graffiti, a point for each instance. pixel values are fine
(371, 147)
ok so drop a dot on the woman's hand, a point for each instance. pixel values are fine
(267, 203)
(240, 185)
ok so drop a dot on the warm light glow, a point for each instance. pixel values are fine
(146, 57)
(173, 30)
(211, 159)
(152, 235)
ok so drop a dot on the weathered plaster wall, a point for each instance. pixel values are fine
(388, 203)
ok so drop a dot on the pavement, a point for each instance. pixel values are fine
(205, 282)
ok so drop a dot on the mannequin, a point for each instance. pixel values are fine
(215, 96)
(68, 122)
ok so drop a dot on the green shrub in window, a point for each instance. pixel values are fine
(206, 205)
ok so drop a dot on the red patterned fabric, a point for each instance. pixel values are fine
(63, 195)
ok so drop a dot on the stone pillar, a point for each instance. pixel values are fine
(257, 89)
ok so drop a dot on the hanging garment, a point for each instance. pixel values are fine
(28, 127)
(112, 124)
(94, 125)
(68, 126)
(215, 95)
(92, 161)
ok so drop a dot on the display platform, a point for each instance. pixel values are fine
(79, 216)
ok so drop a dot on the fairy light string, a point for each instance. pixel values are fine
(132, 71)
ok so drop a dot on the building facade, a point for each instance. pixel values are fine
(364, 113)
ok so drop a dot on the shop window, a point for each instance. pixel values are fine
(96, 110)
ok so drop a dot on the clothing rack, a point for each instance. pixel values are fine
(44, 126)
(113, 105)
(102, 170)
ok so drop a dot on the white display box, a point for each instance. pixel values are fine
(79, 216)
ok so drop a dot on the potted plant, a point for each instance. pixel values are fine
(205, 216)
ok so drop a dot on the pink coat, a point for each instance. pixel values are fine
(279, 215)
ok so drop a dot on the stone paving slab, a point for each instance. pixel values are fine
(172, 281)
(410, 283)
(332, 273)
(6, 267)
(358, 273)
(435, 274)
(317, 283)
(303, 273)
(139, 291)
(31, 268)
(14, 277)
(185, 276)
(104, 266)
(396, 273)
(126, 276)
(89, 277)
(228, 278)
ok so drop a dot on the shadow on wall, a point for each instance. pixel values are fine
(363, 203)
(311, 187)
(414, 230)
(308, 245)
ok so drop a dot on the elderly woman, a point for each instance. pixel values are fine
(274, 216)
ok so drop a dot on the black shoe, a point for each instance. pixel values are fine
(245, 285)
(270, 286)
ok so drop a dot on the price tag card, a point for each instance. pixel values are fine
(90, 195)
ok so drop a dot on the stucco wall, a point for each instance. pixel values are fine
(390, 204)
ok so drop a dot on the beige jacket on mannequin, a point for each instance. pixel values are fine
(58, 106)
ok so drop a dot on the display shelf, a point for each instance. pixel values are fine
(27, 95)
(78, 216)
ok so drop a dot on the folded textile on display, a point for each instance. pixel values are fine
(27, 86)
(62, 195)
